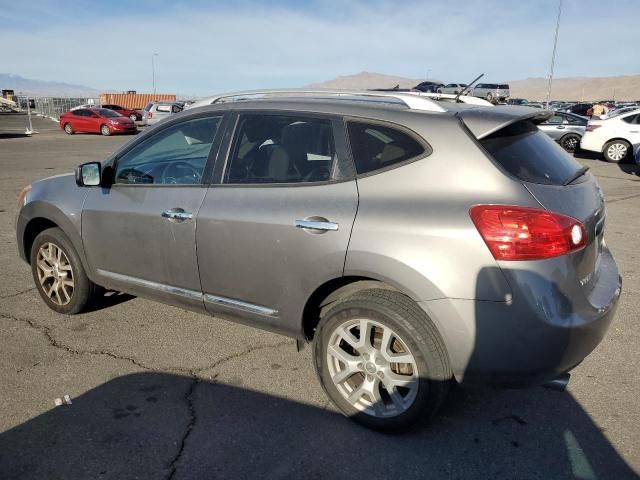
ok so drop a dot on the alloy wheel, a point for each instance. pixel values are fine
(55, 273)
(570, 144)
(617, 151)
(372, 368)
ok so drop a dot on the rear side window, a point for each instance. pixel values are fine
(375, 147)
(163, 108)
(530, 155)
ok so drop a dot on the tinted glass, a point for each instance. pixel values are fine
(80, 113)
(148, 107)
(530, 155)
(630, 119)
(163, 108)
(282, 149)
(504, 86)
(556, 119)
(375, 147)
(176, 155)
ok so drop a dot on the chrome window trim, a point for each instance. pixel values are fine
(240, 305)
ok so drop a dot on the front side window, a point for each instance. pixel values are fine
(555, 120)
(375, 146)
(176, 155)
(281, 149)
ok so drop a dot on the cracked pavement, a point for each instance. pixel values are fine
(162, 393)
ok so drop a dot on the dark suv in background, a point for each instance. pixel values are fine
(413, 242)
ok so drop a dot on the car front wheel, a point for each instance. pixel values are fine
(68, 129)
(381, 360)
(58, 273)
(104, 130)
(616, 151)
(133, 117)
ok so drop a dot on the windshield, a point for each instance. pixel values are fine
(103, 112)
(530, 155)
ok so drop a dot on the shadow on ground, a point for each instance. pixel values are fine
(154, 425)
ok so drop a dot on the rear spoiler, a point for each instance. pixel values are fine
(482, 122)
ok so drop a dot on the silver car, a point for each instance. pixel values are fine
(156, 111)
(414, 243)
(492, 92)
(454, 88)
(565, 128)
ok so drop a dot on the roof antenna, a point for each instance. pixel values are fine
(468, 87)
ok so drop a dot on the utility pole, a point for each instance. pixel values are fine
(553, 55)
(153, 71)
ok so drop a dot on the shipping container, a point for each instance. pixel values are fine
(135, 101)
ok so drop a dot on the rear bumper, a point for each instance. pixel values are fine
(538, 335)
(591, 144)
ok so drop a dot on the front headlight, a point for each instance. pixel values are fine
(22, 196)
(113, 122)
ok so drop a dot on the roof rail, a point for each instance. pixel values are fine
(411, 101)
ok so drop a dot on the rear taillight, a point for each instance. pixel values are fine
(522, 233)
(149, 115)
(591, 128)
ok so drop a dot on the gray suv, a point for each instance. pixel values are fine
(413, 242)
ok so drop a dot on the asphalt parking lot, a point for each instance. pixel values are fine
(159, 392)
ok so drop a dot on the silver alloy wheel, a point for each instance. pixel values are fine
(133, 117)
(55, 273)
(372, 368)
(617, 151)
(67, 128)
(104, 130)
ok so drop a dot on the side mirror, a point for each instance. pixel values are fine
(88, 174)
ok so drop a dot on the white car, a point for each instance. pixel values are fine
(614, 137)
(453, 88)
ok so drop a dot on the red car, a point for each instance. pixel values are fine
(134, 115)
(96, 120)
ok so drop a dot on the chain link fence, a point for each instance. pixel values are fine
(53, 107)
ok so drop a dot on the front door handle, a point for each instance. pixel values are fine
(321, 224)
(177, 214)
(560, 127)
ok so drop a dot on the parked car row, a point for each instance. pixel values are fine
(492, 92)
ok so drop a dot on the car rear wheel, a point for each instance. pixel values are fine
(58, 273)
(381, 360)
(68, 129)
(490, 97)
(104, 130)
(616, 151)
(570, 142)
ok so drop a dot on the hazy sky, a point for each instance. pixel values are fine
(205, 46)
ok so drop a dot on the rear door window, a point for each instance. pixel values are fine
(163, 108)
(375, 147)
(530, 155)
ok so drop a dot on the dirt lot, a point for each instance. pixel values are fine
(159, 392)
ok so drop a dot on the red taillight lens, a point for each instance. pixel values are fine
(591, 128)
(149, 115)
(522, 233)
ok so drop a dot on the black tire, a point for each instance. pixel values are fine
(439, 90)
(570, 142)
(84, 290)
(490, 97)
(612, 150)
(104, 130)
(68, 129)
(405, 318)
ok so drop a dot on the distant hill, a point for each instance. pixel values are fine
(366, 80)
(576, 88)
(43, 88)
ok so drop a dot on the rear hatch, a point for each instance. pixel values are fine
(557, 181)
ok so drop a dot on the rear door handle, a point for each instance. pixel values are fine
(323, 225)
(560, 127)
(177, 214)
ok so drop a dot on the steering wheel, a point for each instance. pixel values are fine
(181, 173)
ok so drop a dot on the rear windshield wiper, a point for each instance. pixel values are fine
(575, 176)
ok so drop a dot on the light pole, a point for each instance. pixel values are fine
(553, 55)
(153, 71)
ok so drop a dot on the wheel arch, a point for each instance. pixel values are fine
(32, 229)
(332, 291)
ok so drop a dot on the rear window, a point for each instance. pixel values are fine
(530, 155)
(375, 147)
(148, 107)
